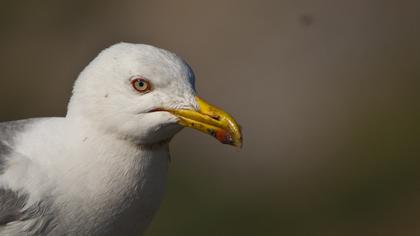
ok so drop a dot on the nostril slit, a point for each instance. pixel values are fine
(214, 117)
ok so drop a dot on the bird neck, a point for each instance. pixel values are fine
(115, 178)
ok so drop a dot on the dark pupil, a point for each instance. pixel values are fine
(141, 83)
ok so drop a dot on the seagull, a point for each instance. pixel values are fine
(101, 169)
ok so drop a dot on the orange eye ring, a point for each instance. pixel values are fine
(141, 85)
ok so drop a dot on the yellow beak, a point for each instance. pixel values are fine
(211, 120)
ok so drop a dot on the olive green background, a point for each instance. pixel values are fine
(327, 93)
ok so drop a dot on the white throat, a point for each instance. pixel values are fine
(103, 179)
(120, 180)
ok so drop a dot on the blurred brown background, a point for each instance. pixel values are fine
(327, 93)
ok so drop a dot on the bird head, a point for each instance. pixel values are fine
(146, 94)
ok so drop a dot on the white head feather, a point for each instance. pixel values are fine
(103, 93)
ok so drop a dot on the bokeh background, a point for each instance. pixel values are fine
(327, 93)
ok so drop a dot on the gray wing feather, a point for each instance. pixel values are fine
(4, 150)
(8, 131)
(11, 203)
(16, 218)
(13, 209)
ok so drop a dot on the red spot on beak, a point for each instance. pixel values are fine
(223, 136)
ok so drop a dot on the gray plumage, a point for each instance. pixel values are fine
(11, 206)
(8, 132)
(14, 208)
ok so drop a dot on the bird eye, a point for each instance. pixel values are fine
(141, 85)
